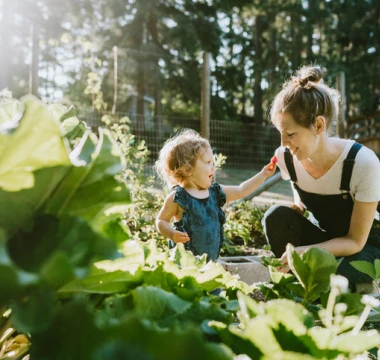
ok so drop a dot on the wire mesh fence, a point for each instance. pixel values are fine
(246, 145)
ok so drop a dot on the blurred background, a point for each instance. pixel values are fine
(144, 59)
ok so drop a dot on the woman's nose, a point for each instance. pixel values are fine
(283, 140)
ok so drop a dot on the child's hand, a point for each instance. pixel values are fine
(273, 162)
(270, 169)
(180, 237)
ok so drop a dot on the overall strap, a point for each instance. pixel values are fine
(348, 166)
(290, 165)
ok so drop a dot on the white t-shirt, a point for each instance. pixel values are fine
(365, 179)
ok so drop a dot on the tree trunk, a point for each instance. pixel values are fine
(33, 73)
(5, 52)
(310, 29)
(296, 40)
(258, 93)
(140, 78)
(272, 56)
(152, 25)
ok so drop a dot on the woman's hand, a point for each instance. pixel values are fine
(284, 258)
(298, 209)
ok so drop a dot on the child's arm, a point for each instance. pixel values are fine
(250, 185)
(168, 211)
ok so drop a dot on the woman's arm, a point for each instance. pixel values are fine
(168, 211)
(248, 186)
(360, 226)
(361, 222)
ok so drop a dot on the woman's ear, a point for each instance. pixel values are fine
(320, 125)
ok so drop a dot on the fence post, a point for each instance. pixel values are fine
(205, 96)
(342, 129)
(115, 76)
(33, 71)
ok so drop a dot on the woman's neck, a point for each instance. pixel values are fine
(324, 157)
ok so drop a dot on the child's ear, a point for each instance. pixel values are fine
(187, 170)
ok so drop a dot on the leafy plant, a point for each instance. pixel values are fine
(243, 227)
(282, 329)
(373, 270)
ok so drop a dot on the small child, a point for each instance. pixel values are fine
(187, 162)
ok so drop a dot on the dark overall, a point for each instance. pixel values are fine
(329, 217)
(202, 220)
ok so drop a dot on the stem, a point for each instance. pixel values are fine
(362, 319)
(330, 307)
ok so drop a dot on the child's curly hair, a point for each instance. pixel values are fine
(177, 158)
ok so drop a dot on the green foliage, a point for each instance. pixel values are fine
(71, 267)
(146, 202)
(283, 329)
(367, 268)
(243, 227)
(310, 276)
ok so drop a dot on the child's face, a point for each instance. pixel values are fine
(203, 171)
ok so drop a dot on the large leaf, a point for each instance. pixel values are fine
(365, 267)
(35, 144)
(11, 112)
(72, 235)
(103, 283)
(13, 280)
(313, 270)
(90, 189)
(155, 304)
(135, 337)
(33, 160)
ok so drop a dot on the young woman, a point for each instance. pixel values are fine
(336, 180)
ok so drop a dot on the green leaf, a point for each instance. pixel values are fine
(236, 340)
(11, 113)
(313, 269)
(57, 270)
(356, 344)
(34, 145)
(36, 312)
(64, 339)
(72, 235)
(299, 268)
(354, 305)
(158, 305)
(377, 268)
(184, 342)
(365, 267)
(13, 280)
(103, 283)
(90, 189)
(185, 259)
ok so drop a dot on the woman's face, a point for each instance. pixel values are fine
(302, 142)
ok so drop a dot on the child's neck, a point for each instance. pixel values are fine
(197, 192)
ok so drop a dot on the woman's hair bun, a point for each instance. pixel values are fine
(308, 74)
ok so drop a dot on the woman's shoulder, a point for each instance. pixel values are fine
(366, 160)
(279, 152)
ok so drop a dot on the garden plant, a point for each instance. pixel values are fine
(84, 275)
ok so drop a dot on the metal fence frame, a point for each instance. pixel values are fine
(246, 145)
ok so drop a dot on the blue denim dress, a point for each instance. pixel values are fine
(202, 220)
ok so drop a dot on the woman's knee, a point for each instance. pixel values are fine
(275, 224)
(277, 216)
